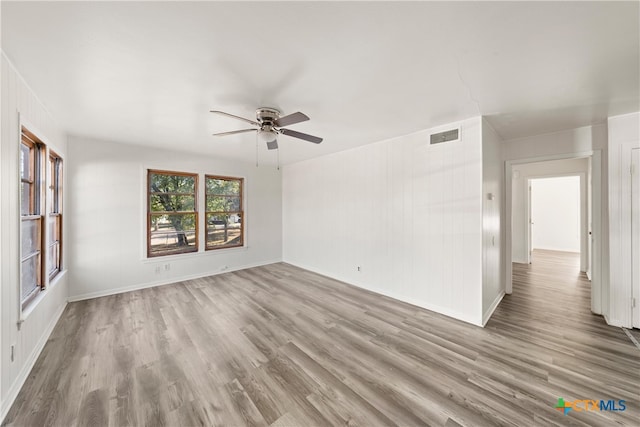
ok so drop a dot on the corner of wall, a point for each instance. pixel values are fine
(18, 100)
(623, 136)
(493, 211)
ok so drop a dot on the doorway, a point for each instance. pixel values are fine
(556, 210)
(518, 234)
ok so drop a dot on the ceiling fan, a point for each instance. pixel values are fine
(269, 124)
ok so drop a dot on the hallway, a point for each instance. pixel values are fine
(577, 354)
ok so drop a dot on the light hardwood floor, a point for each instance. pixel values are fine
(281, 346)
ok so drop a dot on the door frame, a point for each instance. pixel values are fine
(635, 237)
(596, 237)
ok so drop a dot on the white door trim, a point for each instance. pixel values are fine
(635, 236)
(596, 255)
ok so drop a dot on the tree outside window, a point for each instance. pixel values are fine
(172, 213)
(224, 212)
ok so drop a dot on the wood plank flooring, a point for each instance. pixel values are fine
(280, 346)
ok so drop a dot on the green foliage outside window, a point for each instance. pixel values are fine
(224, 212)
(173, 219)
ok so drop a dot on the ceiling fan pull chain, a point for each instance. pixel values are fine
(278, 156)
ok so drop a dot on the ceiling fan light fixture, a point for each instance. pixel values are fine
(268, 137)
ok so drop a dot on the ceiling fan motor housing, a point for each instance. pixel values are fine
(267, 115)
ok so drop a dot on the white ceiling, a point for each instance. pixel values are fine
(148, 73)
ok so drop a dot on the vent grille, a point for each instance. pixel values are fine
(446, 136)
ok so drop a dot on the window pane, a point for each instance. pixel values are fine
(229, 187)
(52, 199)
(53, 228)
(30, 237)
(173, 233)
(171, 183)
(223, 204)
(29, 277)
(53, 257)
(54, 223)
(58, 235)
(25, 202)
(25, 162)
(224, 230)
(168, 203)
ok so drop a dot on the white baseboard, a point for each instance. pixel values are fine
(418, 303)
(31, 360)
(616, 322)
(139, 286)
(487, 315)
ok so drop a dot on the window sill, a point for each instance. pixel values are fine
(199, 254)
(26, 312)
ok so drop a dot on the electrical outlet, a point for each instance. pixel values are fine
(167, 267)
(359, 269)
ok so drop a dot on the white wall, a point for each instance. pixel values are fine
(569, 141)
(492, 202)
(2, 74)
(1, 209)
(408, 213)
(624, 135)
(555, 213)
(19, 101)
(108, 213)
(520, 208)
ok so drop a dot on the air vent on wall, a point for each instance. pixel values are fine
(446, 136)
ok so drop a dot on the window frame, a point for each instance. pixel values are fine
(196, 211)
(37, 153)
(240, 211)
(55, 211)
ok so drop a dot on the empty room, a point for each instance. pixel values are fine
(230, 213)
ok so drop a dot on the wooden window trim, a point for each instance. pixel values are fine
(37, 165)
(239, 212)
(55, 210)
(30, 180)
(194, 212)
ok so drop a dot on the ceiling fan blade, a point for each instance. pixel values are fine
(291, 119)
(234, 132)
(236, 117)
(296, 134)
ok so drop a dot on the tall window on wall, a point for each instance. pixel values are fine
(31, 208)
(224, 216)
(54, 222)
(172, 226)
